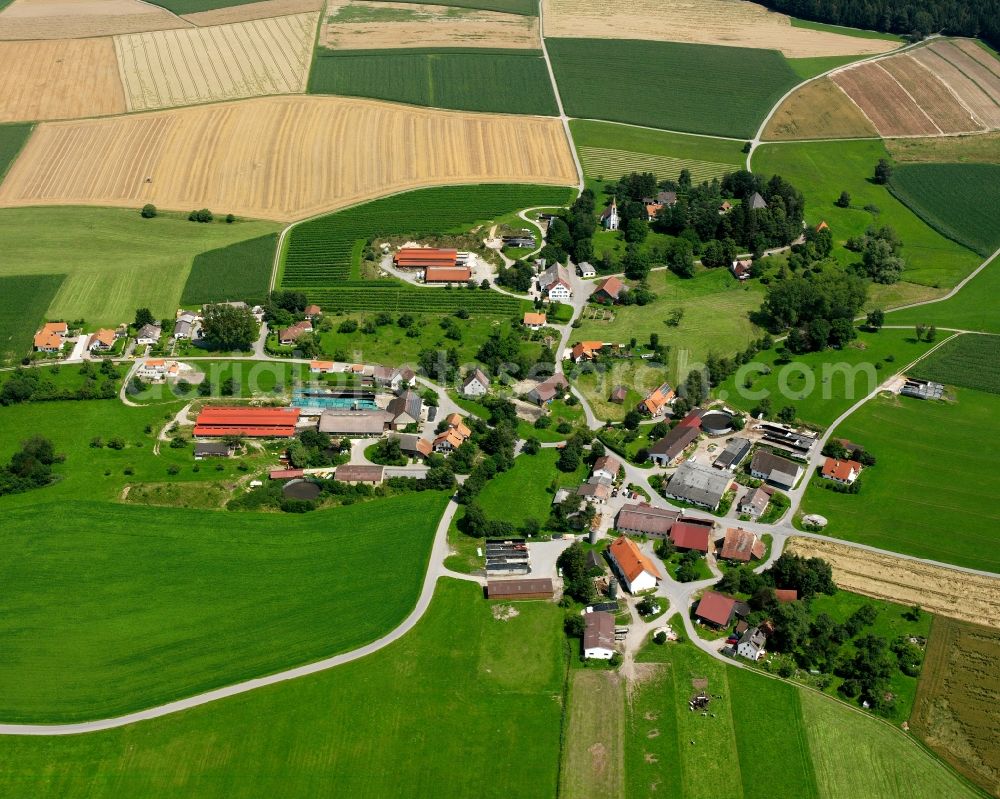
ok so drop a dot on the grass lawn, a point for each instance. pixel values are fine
(755, 722)
(716, 317)
(807, 68)
(250, 379)
(914, 493)
(609, 151)
(503, 81)
(523, 492)
(25, 300)
(966, 361)
(822, 385)
(957, 200)
(822, 170)
(241, 271)
(12, 139)
(117, 608)
(843, 30)
(592, 766)
(701, 566)
(687, 87)
(463, 705)
(114, 260)
(972, 308)
(597, 384)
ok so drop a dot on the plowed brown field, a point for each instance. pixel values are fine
(940, 59)
(726, 22)
(936, 99)
(884, 102)
(991, 62)
(78, 19)
(224, 62)
(366, 26)
(249, 11)
(280, 158)
(819, 110)
(948, 592)
(59, 79)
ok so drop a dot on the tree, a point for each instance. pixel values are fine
(573, 562)
(148, 211)
(203, 215)
(931, 333)
(632, 419)
(844, 200)
(883, 171)
(532, 446)
(875, 319)
(569, 459)
(787, 414)
(227, 327)
(920, 330)
(574, 625)
(230, 219)
(680, 258)
(143, 316)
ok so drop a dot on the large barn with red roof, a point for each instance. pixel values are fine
(248, 422)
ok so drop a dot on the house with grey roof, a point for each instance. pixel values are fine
(699, 485)
(476, 383)
(548, 390)
(342, 422)
(731, 457)
(406, 409)
(644, 519)
(672, 445)
(774, 469)
(751, 644)
(756, 201)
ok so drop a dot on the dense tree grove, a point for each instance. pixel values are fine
(817, 309)
(916, 18)
(29, 467)
(226, 327)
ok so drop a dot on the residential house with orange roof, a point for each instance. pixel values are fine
(290, 335)
(321, 367)
(52, 337)
(534, 321)
(741, 269)
(102, 340)
(152, 369)
(586, 350)
(635, 570)
(456, 423)
(845, 472)
(609, 290)
(657, 400)
(742, 546)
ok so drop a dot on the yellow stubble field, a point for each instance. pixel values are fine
(305, 155)
(78, 19)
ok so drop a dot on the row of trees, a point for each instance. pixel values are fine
(36, 385)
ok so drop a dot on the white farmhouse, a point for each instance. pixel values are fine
(599, 635)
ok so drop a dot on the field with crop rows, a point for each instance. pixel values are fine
(25, 300)
(241, 271)
(198, 6)
(957, 713)
(612, 164)
(57, 19)
(507, 81)
(320, 252)
(970, 72)
(59, 80)
(722, 22)
(526, 7)
(201, 65)
(967, 361)
(819, 109)
(959, 201)
(308, 155)
(695, 88)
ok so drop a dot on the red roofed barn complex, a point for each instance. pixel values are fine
(251, 422)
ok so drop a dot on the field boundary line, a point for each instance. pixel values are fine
(661, 130)
(559, 103)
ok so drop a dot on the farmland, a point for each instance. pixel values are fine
(57, 19)
(239, 271)
(119, 260)
(26, 298)
(817, 740)
(364, 26)
(818, 110)
(955, 199)
(972, 308)
(956, 700)
(981, 148)
(907, 435)
(224, 62)
(526, 7)
(322, 252)
(192, 7)
(244, 12)
(967, 361)
(141, 631)
(592, 765)
(718, 90)
(822, 385)
(59, 80)
(723, 22)
(959, 64)
(821, 170)
(501, 81)
(396, 297)
(940, 590)
(490, 686)
(307, 155)
(12, 139)
(716, 318)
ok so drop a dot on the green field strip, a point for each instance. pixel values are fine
(612, 164)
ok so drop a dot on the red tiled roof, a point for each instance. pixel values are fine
(611, 286)
(693, 419)
(630, 559)
(716, 608)
(256, 422)
(840, 470)
(286, 474)
(786, 594)
(412, 257)
(531, 318)
(446, 274)
(741, 545)
(686, 535)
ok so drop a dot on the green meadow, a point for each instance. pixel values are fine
(930, 494)
(26, 298)
(822, 170)
(12, 139)
(241, 271)
(974, 307)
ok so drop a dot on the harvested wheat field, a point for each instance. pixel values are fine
(60, 79)
(369, 26)
(727, 22)
(249, 11)
(948, 592)
(223, 62)
(887, 104)
(79, 19)
(305, 155)
(819, 110)
(936, 99)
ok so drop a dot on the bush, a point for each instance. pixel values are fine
(204, 215)
(660, 638)
(148, 211)
(116, 443)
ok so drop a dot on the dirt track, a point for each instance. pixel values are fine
(306, 155)
(726, 22)
(937, 589)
